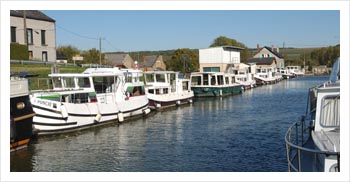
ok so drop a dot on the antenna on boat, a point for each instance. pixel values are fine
(100, 51)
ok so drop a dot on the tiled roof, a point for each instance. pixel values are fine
(115, 58)
(148, 61)
(274, 52)
(31, 14)
(262, 61)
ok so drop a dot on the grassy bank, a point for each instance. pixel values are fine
(39, 82)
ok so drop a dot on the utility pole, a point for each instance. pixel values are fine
(100, 51)
(25, 28)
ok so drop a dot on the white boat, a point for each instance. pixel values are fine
(213, 84)
(81, 100)
(242, 75)
(286, 74)
(265, 76)
(296, 71)
(320, 150)
(21, 113)
(166, 89)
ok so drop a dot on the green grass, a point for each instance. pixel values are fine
(43, 71)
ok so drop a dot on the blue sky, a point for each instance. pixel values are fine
(162, 30)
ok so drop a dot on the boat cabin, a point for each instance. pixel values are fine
(212, 79)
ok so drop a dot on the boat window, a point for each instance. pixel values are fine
(212, 80)
(141, 78)
(80, 98)
(57, 82)
(149, 77)
(128, 77)
(185, 85)
(330, 116)
(172, 79)
(220, 79)
(68, 82)
(103, 84)
(165, 90)
(136, 90)
(205, 79)
(151, 91)
(233, 80)
(196, 80)
(226, 80)
(84, 82)
(160, 77)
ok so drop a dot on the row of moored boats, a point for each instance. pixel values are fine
(100, 95)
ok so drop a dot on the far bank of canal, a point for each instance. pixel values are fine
(235, 134)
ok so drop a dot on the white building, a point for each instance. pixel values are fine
(217, 59)
(41, 34)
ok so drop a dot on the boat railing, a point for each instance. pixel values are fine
(296, 138)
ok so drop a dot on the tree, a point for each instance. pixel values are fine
(225, 41)
(184, 60)
(68, 51)
(92, 56)
(326, 55)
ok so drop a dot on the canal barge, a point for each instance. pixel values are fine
(167, 89)
(213, 84)
(82, 100)
(313, 144)
(21, 113)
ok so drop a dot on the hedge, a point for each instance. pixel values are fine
(18, 52)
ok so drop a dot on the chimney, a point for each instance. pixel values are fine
(257, 47)
(278, 50)
(272, 47)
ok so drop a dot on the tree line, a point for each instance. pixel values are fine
(187, 60)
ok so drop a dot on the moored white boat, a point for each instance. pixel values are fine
(166, 89)
(265, 76)
(242, 74)
(82, 100)
(286, 74)
(320, 150)
(296, 71)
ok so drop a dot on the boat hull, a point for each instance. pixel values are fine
(21, 122)
(202, 91)
(68, 117)
(157, 102)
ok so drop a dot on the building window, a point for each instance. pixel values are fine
(211, 69)
(44, 56)
(13, 34)
(30, 54)
(30, 36)
(43, 41)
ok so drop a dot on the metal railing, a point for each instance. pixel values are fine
(296, 137)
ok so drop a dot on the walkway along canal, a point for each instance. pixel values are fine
(235, 133)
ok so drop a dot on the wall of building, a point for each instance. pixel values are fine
(218, 55)
(266, 53)
(159, 63)
(37, 26)
(129, 62)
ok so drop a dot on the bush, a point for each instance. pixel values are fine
(18, 52)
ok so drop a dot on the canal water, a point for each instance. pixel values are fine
(233, 134)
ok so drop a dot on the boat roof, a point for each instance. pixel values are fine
(211, 73)
(91, 72)
(159, 72)
(131, 70)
